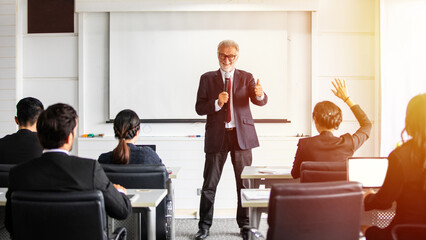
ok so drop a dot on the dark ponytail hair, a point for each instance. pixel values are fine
(126, 125)
(327, 114)
(415, 126)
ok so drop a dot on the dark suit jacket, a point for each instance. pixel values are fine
(19, 147)
(328, 148)
(404, 184)
(211, 84)
(138, 155)
(55, 171)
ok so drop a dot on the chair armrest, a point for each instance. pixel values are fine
(119, 234)
(254, 232)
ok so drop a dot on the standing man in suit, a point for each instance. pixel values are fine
(56, 170)
(224, 96)
(23, 145)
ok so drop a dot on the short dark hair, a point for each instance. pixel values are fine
(327, 114)
(55, 124)
(27, 111)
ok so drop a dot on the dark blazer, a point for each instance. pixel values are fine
(328, 148)
(211, 84)
(19, 147)
(55, 171)
(404, 184)
(138, 155)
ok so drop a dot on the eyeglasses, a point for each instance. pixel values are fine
(224, 56)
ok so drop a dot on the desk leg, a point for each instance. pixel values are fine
(138, 226)
(151, 223)
(251, 183)
(171, 196)
(110, 225)
(254, 218)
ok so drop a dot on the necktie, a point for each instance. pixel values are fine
(228, 108)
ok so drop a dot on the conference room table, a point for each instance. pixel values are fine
(257, 175)
(146, 199)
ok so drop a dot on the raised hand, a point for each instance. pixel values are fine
(258, 90)
(340, 89)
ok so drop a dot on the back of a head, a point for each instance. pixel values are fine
(55, 124)
(27, 111)
(327, 114)
(416, 118)
(415, 125)
(126, 126)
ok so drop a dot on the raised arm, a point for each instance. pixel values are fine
(363, 133)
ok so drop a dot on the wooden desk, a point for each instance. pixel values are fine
(173, 173)
(256, 207)
(148, 198)
(254, 174)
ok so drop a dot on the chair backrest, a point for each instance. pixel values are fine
(4, 174)
(327, 210)
(137, 175)
(409, 232)
(145, 177)
(322, 171)
(58, 215)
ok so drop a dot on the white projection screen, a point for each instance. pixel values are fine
(157, 58)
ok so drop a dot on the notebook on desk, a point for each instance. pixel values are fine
(132, 197)
(369, 171)
(257, 194)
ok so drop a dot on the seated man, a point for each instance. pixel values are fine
(56, 170)
(23, 145)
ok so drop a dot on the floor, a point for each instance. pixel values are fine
(223, 228)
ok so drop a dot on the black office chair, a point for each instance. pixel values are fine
(4, 183)
(141, 176)
(322, 171)
(60, 215)
(409, 232)
(4, 174)
(326, 210)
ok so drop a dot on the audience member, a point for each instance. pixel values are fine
(23, 145)
(126, 130)
(326, 147)
(56, 170)
(405, 180)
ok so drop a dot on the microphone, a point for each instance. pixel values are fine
(227, 78)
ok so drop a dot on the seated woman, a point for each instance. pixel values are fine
(326, 147)
(126, 130)
(405, 180)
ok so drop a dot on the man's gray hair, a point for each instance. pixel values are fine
(228, 43)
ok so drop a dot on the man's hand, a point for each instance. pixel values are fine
(368, 192)
(223, 98)
(120, 188)
(258, 90)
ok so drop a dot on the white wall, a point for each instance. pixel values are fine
(72, 68)
(346, 46)
(7, 66)
(278, 144)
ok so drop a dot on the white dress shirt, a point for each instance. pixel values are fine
(231, 124)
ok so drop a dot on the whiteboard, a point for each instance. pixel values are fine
(157, 58)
